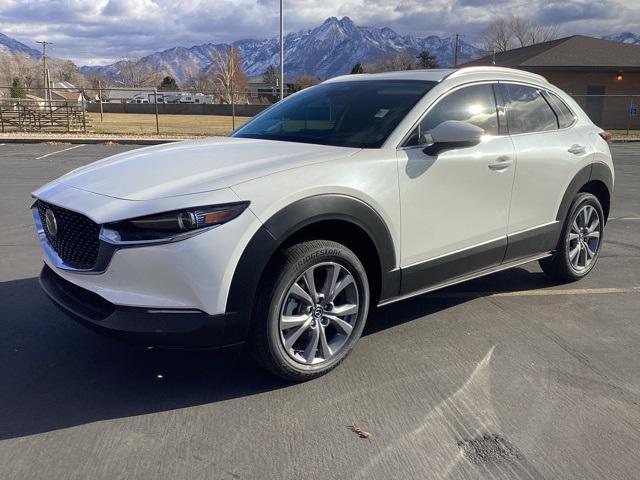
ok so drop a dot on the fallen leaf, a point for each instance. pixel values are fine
(361, 433)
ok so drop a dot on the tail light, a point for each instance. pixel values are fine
(606, 136)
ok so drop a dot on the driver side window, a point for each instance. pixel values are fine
(475, 104)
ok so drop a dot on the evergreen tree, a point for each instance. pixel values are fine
(271, 76)
(357, 68)
(18, 90)
(168, 84)
(426, 60)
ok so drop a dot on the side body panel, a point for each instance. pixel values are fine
(454, 210)
(545, 167)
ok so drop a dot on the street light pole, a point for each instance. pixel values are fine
(281, 50)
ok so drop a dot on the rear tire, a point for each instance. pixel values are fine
(580, 241)
(312, 307)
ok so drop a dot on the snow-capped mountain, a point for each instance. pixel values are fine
(624, 37)
(11, 45)
(331, 49)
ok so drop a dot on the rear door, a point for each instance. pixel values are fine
(549, 151)
(455, 205)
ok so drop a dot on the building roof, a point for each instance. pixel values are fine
(66, 95)
(64, 85)
(577, 52)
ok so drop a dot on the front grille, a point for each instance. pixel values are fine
(77, 238)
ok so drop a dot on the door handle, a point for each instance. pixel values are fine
(501, 163)
(576, 149)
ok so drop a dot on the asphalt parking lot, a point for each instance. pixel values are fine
(506, 377)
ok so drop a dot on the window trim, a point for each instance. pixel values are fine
(494, 83)
(553, 94)
(542, 90)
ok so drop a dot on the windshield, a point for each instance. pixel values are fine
(358, 114)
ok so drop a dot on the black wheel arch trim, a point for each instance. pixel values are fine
(595, 171)
(291, 219)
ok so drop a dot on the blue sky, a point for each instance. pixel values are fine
(100, 31)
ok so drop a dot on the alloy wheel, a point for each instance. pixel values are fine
(319, 313)
(584, 238)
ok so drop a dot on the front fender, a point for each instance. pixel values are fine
(289, 220)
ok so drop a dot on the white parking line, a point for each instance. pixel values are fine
(536, 293)
(60, 151)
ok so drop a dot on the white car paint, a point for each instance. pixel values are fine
(431, 207)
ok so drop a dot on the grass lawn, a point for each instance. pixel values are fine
(177, 125)
(623, 133)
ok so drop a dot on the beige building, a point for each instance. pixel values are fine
(602, 75)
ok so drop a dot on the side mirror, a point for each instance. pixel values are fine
(452, 134)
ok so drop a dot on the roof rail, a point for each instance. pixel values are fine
(491, 69)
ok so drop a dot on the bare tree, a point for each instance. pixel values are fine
(519, 29)
(305, 81)
(200, 81)
(497, 36)
(403, 60)
(133, 72)
(229, 77)
(18, 65)
(543, 33)
(504, 34)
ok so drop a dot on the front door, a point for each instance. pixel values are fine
(595, 103)
(455, 205)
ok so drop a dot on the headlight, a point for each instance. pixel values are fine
(170, 226)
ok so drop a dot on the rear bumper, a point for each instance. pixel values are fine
(179, 328)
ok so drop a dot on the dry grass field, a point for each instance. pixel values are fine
(173, 125)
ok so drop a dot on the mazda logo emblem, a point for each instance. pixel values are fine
(50, 222)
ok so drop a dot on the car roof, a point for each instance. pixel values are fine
(434, 75)
(440, 74)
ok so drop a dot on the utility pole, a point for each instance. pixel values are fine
(44, 44)
(281, 49)
(456, 52)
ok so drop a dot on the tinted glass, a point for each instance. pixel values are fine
(352, 114)
(475, 104)
(528, 111)
(565, 116)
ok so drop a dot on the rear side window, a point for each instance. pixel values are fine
(565, 116)
(475, 104)
(527, 110)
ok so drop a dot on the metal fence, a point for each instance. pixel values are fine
(28, 115)
(130, 111)
(620, 113)
(147, 111)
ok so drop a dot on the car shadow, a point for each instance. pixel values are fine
(56, 374)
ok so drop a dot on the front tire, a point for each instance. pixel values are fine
(311, 310)
(580, 242)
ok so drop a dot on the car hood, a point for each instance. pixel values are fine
(197, 166)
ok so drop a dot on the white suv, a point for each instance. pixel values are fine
(361, 191)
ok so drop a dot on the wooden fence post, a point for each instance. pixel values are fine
(155, 98)
(100, 99)
(84, 120)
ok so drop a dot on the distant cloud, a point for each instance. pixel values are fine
(98, 31)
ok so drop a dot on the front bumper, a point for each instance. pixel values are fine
(179, 328)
